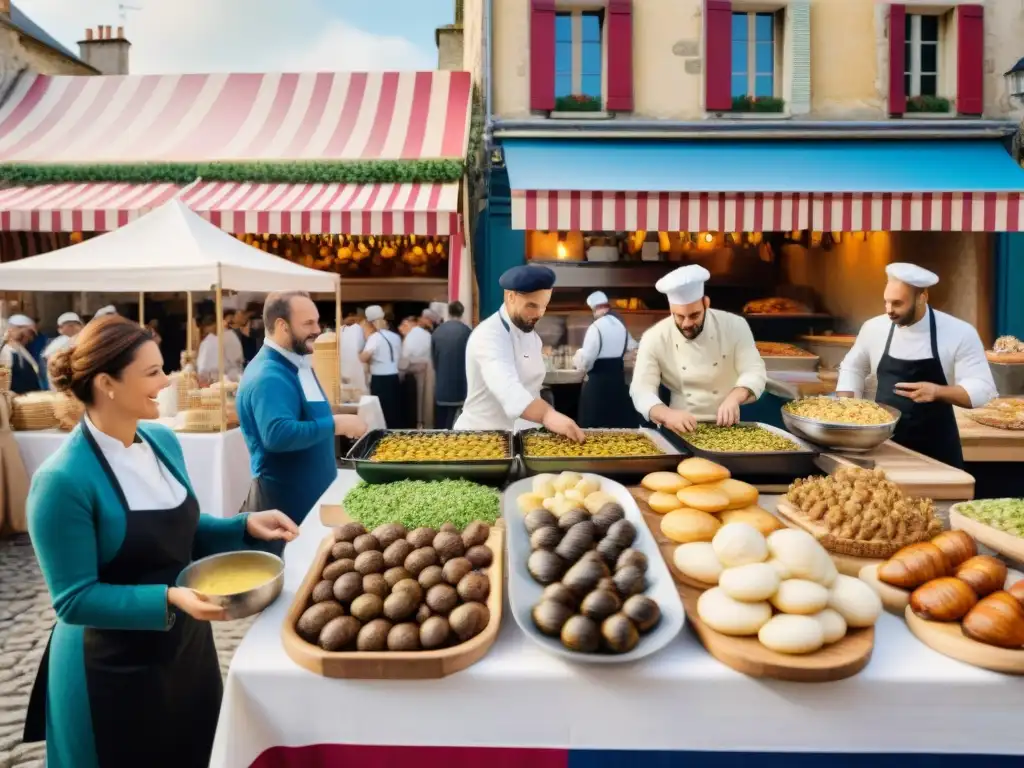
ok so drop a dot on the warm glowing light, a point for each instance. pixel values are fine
(709, 238)
(561, 251)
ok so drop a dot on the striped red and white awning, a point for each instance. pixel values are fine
(79, 207)
(663, 211)
(226, 117)
(918, 212)
(354, 209)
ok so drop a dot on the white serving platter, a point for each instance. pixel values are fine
(524, 592)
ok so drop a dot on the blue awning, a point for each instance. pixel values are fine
(722, 185)
(761, 166)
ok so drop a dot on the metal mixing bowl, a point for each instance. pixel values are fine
(842, 437)
(241, 604)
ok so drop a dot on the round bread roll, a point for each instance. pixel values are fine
(779, 566)
(596, 500)
(764, 521)
(750, 583)
(704, 498)
(800, 553)
(855, 601)
(527, 502)
(686, 525)
(833, 625)
(574, 495)
(698, 471)
(698, 561)
(665, 482)
(738, 544)
(588, 485)
(565, 481)
(830, 572)
(792, 634)
(663, 503)
(800, 597)
(740, 494)
(731, 617)
(544, 486)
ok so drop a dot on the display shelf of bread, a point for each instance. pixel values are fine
(764, 599)
(1006, 350)
(962, 604)
(202, 408)
(1001, 413)
(775, 305)
(858, 515)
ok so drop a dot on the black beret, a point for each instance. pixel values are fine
(527, 279)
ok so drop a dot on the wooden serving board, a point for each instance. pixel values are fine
(846, 564)
(1004, 543)
(915, 473)
(948, 639)
(984, 443)
(391, 665)
(893, 598)
(746, 654)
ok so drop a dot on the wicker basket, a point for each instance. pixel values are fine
(327, 366)
(68, 410)
(5, 379)
(34, 411)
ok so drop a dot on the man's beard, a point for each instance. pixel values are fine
(300, 346)
(692, 333)
(524, 325)
(907, 318)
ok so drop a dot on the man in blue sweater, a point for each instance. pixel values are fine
(286, 420)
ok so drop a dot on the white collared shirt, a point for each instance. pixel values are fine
(416, 346)
(386, 350)
(504, 374)
(307, 377)
(960, 351)
(146, 482)
(604, 339)
(59, 343)
(207, 364)
(353, 371)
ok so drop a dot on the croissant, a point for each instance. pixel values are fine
(945, 599)
(996, 620)
(914, 565)
(1017, 590)
(983, 574)
(957, 546)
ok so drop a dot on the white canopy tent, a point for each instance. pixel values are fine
(169, 249)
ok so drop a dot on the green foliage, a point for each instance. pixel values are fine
(577, 104)
(928, 104)
(756, 104)
(295, 172)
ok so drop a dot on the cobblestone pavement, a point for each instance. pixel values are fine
(25, 621)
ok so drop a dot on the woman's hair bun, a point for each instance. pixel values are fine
(60, 371)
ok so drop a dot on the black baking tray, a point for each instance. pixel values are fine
(757, 464)
(615, 467)
(484, 471)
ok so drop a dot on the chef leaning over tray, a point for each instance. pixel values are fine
(505, 362)
(706, 358)
(604, 399)
(925, 362)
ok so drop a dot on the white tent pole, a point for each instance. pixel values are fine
(189, 323)
(337, 333)
(142, 309)
(220, 354)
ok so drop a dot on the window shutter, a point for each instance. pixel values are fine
(718, 55)
(800, 26)
(542, 55)
(897, 58)
(620, 55)
(970, 59)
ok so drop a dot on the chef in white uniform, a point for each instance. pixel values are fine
(604, 398)
(505, 362)
(925, 362)
(706, 358)
(69, 325)
(353, 370)
(383, 351)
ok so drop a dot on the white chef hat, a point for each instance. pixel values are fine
(374, 313)
(68, 317)
(431, 315)
(110, 309)
(20, 321)
(684, 285)
(911, 274)
(596, 299)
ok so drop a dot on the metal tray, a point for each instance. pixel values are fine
(625, 467)
(485, 471)
(788, 464)
(524, 592)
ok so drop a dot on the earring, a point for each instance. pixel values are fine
(110, 395)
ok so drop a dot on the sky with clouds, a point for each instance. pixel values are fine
(257, 35)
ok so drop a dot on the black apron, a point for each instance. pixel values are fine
(928, 428)
(388, 389)
(24, 378)
(604, 398)
(154, 697)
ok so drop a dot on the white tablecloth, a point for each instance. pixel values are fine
(217, 463)
(908, 699)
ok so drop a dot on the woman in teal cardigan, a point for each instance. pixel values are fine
(130, 676)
